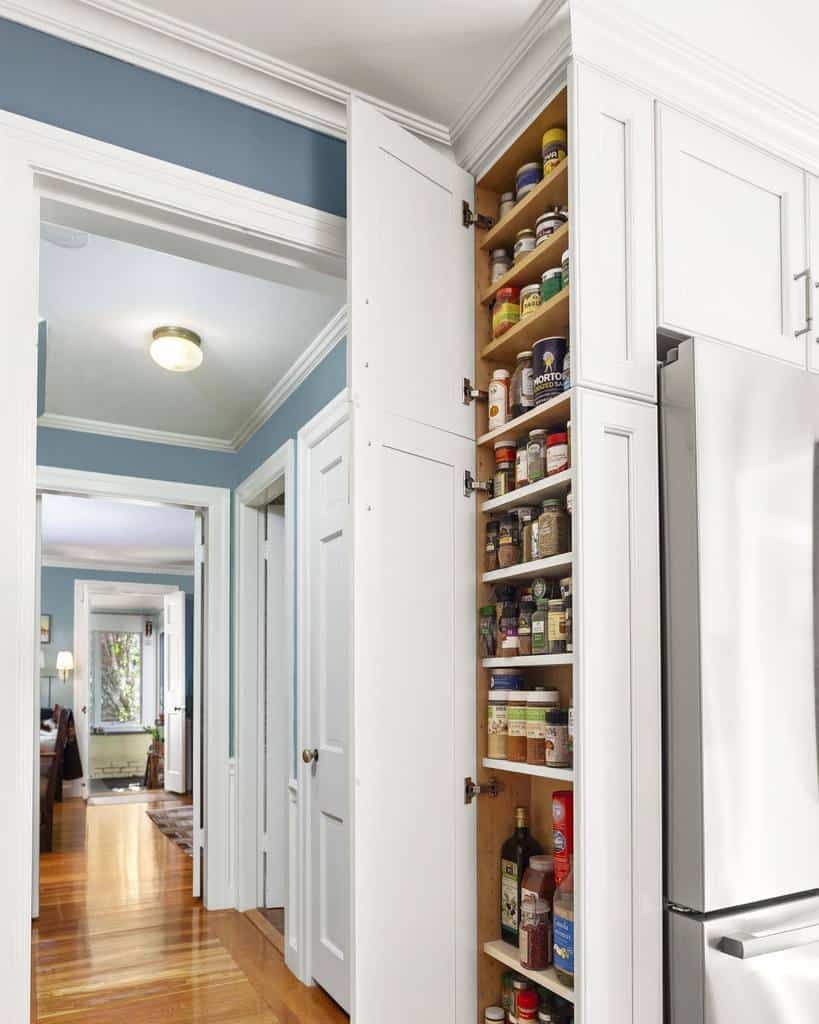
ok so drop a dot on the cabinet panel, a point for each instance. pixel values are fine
(812, 190)
(612, 210)
(618, 818)
(732, 236)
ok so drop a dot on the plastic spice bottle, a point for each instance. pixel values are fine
(490, 551)
(555, 627)
(516, 726)
(539, 628)
(538, 704)
(527, 1006)
(506, 312)
(556, 741)
(494, 1015)
(509, 541)
(498, 399)
(526, 608)
(557, 453)
(497, 724)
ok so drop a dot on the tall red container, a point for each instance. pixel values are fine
(562, 832)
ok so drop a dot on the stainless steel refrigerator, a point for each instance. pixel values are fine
(739, 437)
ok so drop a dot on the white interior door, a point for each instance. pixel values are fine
(411, 305)
(326, 594)
(175, 708)
(35, 835)
(812, 193)
(200, 620)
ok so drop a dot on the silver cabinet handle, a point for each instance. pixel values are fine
(745, 944)
(806, 276)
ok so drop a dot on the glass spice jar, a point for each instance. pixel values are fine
(536, 455)
(499, 263)
(526, 610)
(522, 387)
(490, 549)
(497, 724)
(521, 463)
(534, 939)
(538, 703)
(508, 994)
(529, 300)
(506, 204)
(488, 631)
(527, 1006)
(509, 541)
(516, 727)
(539, 627)
(555, 627)
(557, 738)
(557, 453)
(552, 529)
(527, 517)
(503, 481)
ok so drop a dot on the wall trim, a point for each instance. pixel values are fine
(324, 342)
(56, 421)
(102, 565)
(177, 49)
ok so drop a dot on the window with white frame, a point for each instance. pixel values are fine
(123, 677)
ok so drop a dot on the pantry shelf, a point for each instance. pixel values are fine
(552, 191)
(542, 771)
(549, 319)
(553, 413)
(531, 494)
(509, 957)
(529, 661)
(553, 568)
(529, 268)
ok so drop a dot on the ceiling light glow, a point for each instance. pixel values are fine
(176, 349)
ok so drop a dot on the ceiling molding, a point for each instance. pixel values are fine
(56, 421)
(103, 565)
(330, 335)
(174, 48)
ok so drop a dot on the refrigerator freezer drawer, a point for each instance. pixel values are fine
(756, 966)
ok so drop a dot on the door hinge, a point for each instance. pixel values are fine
(472, 789)
(471, 485)
(480, 220)
(472, 394)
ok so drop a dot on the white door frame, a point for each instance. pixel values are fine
(274, 477)
(213, 742)
(311, 434)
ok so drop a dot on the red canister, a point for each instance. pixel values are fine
(562, 832)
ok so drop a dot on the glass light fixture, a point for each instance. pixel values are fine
(176, 349)
(65, 663)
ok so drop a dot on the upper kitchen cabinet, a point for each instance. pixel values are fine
(813, 261)
(731, 239)
(614, 328)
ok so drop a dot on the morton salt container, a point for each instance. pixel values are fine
(547, 368)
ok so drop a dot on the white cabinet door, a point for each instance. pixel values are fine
(176, 744)
(813, 260)
(618, 817)
(411, 343)
(614, 332)
(732, 237)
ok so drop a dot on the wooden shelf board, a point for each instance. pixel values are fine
(554, 568)
(528, 269)
(552, 191)
(556, 411)
(531, 494)
(508, 955)
(550, 320)
(541, 771)
(528, 661)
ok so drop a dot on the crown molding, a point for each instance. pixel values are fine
(126, 565)
(56, 421)
(327, 339)
(139, 35)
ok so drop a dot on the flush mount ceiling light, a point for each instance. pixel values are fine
(176, 349)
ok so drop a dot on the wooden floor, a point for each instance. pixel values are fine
(120, 939)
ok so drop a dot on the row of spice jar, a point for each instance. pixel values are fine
(547, 1007)
(528, 533)
(533, 457)
(553, 150)
(513, 304)
(527, 240)
(530, 727)
(540, 374)
(534, 619)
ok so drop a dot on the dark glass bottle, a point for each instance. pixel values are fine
(515, 854)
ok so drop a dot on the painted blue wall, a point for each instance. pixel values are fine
(62, 84)
(57, 600)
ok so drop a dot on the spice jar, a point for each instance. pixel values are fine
(490, 550)
(521, 463)
(516, 727)
(497, 724)
(557, 738)
(519, 986)
(564, 266)
(535, 936)
(507, 310)
(569, 439)
(526, 610)
(509, 541)
(539, 627)
(527, 517)
(494, 1015)
(500, 262)
(536, 454)
(488, 631)
(556, 627)
(526, 177)
(549, 222)
(508, 621)
(552, 529)
(524, 243)
(529, 300)
(551, 281)
(506, 204)
(506, 679)
(553, 149)
(557, 453)
(538, 881)
(504, 480)
(538, 702)
(498, 399)
(527, 1006)
(508, 994)
(522, 389)
(566, 595)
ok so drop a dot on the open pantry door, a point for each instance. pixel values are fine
(410, 346)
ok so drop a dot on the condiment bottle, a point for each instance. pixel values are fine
(515, 854)
(498, 399)
(535, 937)
(539, 628)
(563, 955)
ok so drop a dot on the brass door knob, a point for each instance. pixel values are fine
(309, 756)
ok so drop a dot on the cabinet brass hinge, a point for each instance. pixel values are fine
(471, 485)
(472, 394)
(480, 220)
(472, 789)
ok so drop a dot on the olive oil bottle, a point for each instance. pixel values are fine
(515, 854)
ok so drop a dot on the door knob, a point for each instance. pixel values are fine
(84, 709)
(309, 756)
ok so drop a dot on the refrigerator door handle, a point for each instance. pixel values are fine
(746, 944)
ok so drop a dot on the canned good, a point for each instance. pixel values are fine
(547, 368)
(553, 149)
(527, 176)
(551, 281)
(529, 300)
(524, 243)
(549, 222)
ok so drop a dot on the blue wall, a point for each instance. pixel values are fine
(62, 84)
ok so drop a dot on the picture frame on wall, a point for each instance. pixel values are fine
(45, 629)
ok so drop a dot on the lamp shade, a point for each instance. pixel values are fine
(65, 661)
(176, 349)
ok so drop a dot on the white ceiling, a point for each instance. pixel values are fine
(101, 303)
(430, 57)
(87, 532)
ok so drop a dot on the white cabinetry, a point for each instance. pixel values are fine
(731, 239)
(812, 191)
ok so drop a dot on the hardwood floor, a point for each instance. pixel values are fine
(120, 939)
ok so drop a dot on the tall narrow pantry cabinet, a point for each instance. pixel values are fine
(431, 810)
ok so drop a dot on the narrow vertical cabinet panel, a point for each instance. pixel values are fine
(611, 204)
(618, 823)
(731, 238)
(414, 724)
(812, 193)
